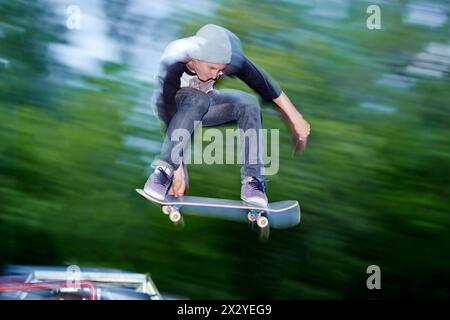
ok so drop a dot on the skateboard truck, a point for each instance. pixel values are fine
(257, 216)
(259, 222)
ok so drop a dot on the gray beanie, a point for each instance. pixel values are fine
(213, 45)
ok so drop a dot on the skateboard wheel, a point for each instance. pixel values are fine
(251, 217)
(165, 210)
(262, 222)
(175, 216)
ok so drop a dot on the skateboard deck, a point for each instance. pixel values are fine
(281, 214)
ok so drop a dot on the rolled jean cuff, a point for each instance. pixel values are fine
(259, 174)
(161, 163)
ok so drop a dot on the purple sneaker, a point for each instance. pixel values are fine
(254, 191)
(158, 183)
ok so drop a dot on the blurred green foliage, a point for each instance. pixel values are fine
(372, 184)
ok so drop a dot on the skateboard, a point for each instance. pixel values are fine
(278, 215)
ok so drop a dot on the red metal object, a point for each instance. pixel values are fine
(5, 287)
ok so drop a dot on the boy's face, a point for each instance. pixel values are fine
(206, 71)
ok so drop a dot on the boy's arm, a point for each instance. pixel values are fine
(258, 80)
(299, 127)
(269, 90)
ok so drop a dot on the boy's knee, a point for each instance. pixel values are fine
(248, 100)
(252, 101)
(249, 105)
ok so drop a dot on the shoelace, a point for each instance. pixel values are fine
(163, 177)
(257, 185)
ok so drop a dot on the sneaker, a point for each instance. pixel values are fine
(254, 191)
(158, 183)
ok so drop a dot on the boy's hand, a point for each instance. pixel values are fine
(178, 186)
(300, 131)
(299, 127)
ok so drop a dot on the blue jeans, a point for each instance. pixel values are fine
(212, 109)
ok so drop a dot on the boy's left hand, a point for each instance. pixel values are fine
(178, 186)
(300, 131)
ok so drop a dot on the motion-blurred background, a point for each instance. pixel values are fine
(77, 135)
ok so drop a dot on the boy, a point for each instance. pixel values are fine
(189, 69)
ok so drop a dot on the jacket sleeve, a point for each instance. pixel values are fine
(258, 80)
